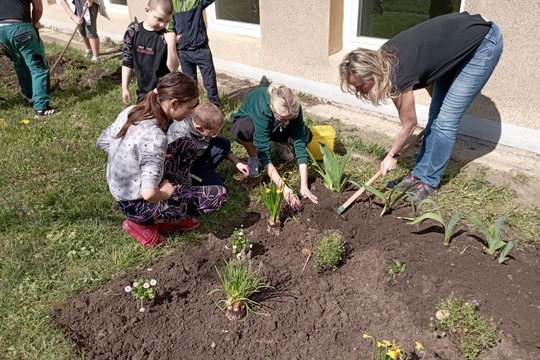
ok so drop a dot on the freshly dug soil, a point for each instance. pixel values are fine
(312, 315)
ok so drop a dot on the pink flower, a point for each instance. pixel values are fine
(153, 282)
(135, 284)
(146, 285)
(128, 289)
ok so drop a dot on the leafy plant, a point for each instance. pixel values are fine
(142, 289)
(239, 241)
(437, 216)
(333, 169)
(391, 199)
(394, 268)
(272, 197)
(384, 349)
(239, 283)
(493, 235)
(329, 250)
(472, 332)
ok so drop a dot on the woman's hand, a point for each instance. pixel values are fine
(292, 201)
(388, 164)
(307, 194)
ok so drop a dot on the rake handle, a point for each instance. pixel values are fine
(359, 192)
(69, 42)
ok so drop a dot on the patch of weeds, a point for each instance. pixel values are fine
(329, 250)
(458, 318)
(394, 268)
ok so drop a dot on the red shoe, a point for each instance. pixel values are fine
(146, 235)
(180, 225)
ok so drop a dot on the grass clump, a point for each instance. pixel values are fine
(239, 283)
(472, 332)
(329, 250)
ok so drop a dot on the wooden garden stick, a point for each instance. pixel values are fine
(69, 42)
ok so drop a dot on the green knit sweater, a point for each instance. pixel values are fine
(257, 107)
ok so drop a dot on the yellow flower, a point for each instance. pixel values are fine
(279, 191)
(268, 190)
(25, 122)
(366, 336)
(419, 345)
(379, 344)
(386, 343)
(392, 353)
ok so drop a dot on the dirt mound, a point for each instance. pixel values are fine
(310, 315)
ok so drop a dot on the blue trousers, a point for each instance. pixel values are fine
(205, 166)
(202, 57)
(451, 97)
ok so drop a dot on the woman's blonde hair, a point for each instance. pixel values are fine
(283, 100)
(370, 65)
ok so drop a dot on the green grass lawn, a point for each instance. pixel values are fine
(60, 233)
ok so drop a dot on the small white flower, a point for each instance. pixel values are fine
(250, 246)
(128, 288)
(146, 285)
(149, 269)
(135, 284)
(142, 309)
(153, 282)
(234, 246)
(238, 255)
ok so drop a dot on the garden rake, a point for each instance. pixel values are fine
(340, 210)
(69, 42)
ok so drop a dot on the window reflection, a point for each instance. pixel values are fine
(238, 10)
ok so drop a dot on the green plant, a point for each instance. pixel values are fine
(239, 283)
(493, 235)
(329, 250)
(437, 216)
(391, 199)
(394, 268)
(142, 289)
(333, 169)
(385, 350)
(239, 241)
(472, 332)
(272, 197)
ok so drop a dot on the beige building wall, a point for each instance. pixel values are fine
(301, 45)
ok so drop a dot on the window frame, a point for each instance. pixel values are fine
(231, 27)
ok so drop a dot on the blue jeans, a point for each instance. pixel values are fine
(451, 97)
(24, 47)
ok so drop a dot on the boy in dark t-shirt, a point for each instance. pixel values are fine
(149, 50)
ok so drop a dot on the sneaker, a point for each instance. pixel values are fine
(180, 225)
(284, 151)
(29, 99)
(87, 53)
(46, 112)
(401, 184)
(146, 235)
(253, 164)
(420, 192)
(95, 59)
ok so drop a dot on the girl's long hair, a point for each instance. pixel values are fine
(175, 85)
(377, 66)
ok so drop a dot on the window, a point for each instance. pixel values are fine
(235, 16)
(117, 6)
(371, 22)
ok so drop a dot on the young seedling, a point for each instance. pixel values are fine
(239, 283)
(437, 215)
(391, 199)
(493, 235)
(333, 169)
(459, 319)
(394, 268)
(142, 289)
(329, 250)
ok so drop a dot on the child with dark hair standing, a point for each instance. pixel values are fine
(149, 50)
(147, 177)
(188, 24)
(203, 127)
